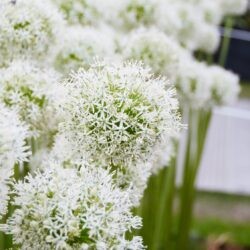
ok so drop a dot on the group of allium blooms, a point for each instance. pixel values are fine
(82, 135)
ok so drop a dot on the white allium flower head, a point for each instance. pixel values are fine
(224, 87)
(28, 89)
(84, 12)
(193, 84)
(134, 13)
(155, 49)
(233, 7)
(209, 38)
(80, 46)
(29, 29)
(12, 149)
(211, 11)
(167, 18)
(179, 21)
(116, 113)
(70, 209)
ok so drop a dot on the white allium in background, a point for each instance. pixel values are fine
(12, 149)
(211, 11)
(84, 12)
(135, 13)
(189, 25)
(67, 209)
(193, 84)
(225, 86)
(29, 90)
(167, 18)
(209, 38)
(29, 29)
(203, 86)
(155, 49)
(80, 46)
(117, 113)
(233, 7)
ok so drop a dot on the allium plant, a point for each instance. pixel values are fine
(80, 46)
(29, 90)
(233, 7)
(70, 209)
(221, 88)
(84, 12)
(29, 29)
(224, 86)
(13, 149)
(155, 49)
(117, 113)
(135, 13)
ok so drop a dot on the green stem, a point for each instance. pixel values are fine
(226, 40)
(198, 126)
(165, 207)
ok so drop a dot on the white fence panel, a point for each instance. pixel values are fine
(225, 166)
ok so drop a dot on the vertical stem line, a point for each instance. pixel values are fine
(226, 40)
(165, 207)
(199, 121)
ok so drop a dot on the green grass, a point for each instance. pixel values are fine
(238, 233)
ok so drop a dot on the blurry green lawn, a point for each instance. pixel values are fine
(222, 214)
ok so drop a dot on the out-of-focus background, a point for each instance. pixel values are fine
(222, 209)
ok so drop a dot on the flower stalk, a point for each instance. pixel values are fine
(199, 121)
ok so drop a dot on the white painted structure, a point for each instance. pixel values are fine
(225, 165)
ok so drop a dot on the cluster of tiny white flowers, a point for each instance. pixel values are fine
(84, 12)
(12, 149)
(69, 209)
(193, 84)
(155, 49)
(224, 86)
(233, 7)
(80, 47)
(28, 89)
(203, 86)
(118, 112)
(29, 29)
(135, 13)
(99, 135)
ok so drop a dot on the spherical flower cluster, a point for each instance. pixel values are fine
(85, 12)
(224, 86)
(211, 11)
(209, 38)
(29, 29)
(203, 86)
(28, 89)
(117, 113)
(233, 7)
(155, 49)
(69, 209)
(81, 46)
(193, 23)
(135, 13)
(12, 149)
(187, 26)
(193, 84)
